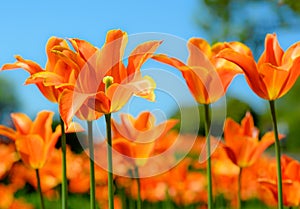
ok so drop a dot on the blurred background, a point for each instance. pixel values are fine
(27, 25)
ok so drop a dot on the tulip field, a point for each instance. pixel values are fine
(145, 163)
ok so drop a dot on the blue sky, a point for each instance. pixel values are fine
(27, 25)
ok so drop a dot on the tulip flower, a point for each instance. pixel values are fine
(34, 140)
(99, 83)
(208, 78)
(242, 142)
(65, 73)
(290, 180)
(243, 145)
(270, 78)
(136, 138)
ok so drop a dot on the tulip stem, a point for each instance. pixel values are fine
(92, 165)
(109, 161)
(64, 190)
(39, 187)
(207, 134)
(139, 200)
(278, 155)
(240, 188)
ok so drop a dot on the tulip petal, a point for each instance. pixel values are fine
(22, 123)
(140, 55)
(31, 149)
(248, 65)
(199, 53)
(42, 125)
(273, 52)
(28, 65)
(8, 132)
(84, 48)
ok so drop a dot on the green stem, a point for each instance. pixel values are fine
(64, 189)
(207, 134)
(240, 188)
(278, 155)
(92, 165)
(109, 161)
(39, 188)
(139, 200)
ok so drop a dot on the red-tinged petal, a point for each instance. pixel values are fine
(199, 53)
(50, 145)
(31, 149)
(140, 55)
(84, 48)
(8, 132)
(273, 52)
(42, 125)
(248, 65)
(28, 65)
(22, 123)
(230, 154)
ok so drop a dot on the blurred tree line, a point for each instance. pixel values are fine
(249, 21)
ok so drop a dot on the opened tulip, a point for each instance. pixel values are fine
(242, 142)
(34, 140)
(276, 71)
(54, 64)
(84, 92)
(136, 137)
(290, 179)
(207, 78)
(270, 78)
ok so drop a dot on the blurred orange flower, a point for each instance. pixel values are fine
(34, 140)
(136, 138)
(275, 72)
(207, 76)
(8, 156)
(290, 182)
(242, 143)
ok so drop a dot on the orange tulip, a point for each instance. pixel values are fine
(34, 140)
(207, 76)
(136, 138)
(8, 156)
(275, 72)
(85, 91)
(290, 182)
(53, 65)
(241, 141)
